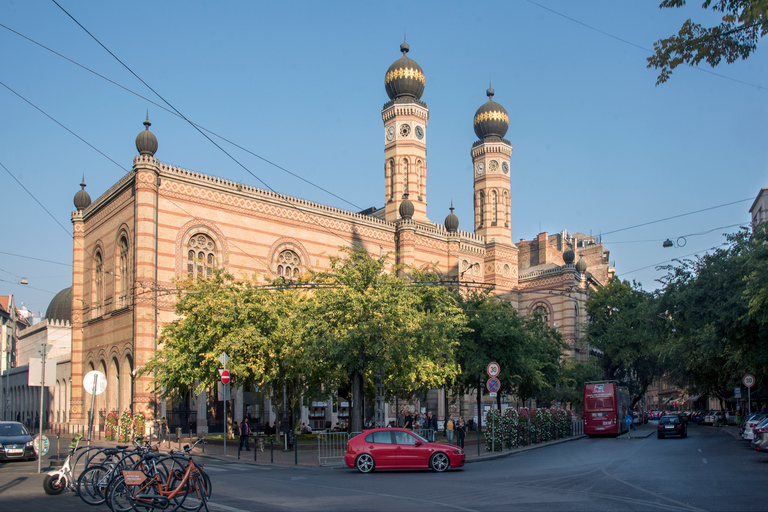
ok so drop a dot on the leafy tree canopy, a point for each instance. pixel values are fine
(743, 22)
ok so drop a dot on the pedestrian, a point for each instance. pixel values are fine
(408, 420)
(244, 433)
(431, 425)
(401, 419)
(449, 426)
(727, 418)
(461, 431)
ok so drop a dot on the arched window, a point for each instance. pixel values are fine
(542, 311)
(494, 207)
(507, 207)
(480, 208)
(201, 256)
(391, 179)
(98, 284)
(288, 263)
(122, 273)
(405, 176)
(419, 179)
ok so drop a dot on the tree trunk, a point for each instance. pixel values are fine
(356, 414)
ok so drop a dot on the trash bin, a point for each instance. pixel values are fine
(291, 437)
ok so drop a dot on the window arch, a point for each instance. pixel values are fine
(543, 310)
(98, 283)
(405, 175)
(419, 179)
(201, 256)
(288, 263)
(123, 279)
(494, 207)
(391, 179)
(480, 208)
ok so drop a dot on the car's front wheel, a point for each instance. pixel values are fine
(365, 463)
(439, 462)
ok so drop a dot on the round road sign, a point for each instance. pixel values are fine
(494, 369)
(493, 384)
(224, 376)
(95, 382)
(46, 445)
(749, 380)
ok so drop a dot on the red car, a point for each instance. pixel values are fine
(398, 448)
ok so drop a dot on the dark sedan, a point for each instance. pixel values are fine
(671, 425)
(15, 442)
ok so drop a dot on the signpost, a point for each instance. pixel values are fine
(749, 381)
(224, 377)
(493, 385)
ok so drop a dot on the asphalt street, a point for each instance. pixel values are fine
(712, 469)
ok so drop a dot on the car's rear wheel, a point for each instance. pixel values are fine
(439, 462)
(365, 463)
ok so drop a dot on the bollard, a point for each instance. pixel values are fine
(255, 447)
(272, 449)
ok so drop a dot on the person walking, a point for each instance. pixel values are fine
(244, 433)
(408, 420)
(449, 426)
(461, 431)
(431, 425)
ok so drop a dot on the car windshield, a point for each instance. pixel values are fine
(669, 420)
(13, 429)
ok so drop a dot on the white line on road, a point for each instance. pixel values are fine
(699, 450)
(704, 460)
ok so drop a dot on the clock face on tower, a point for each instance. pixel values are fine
(390, 133)
(405, 130)
(480, 168)
(505, 167)
(419, 132)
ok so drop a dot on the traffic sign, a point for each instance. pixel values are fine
(629, 419)
(224, 376)
(494, 369)
(95, 382)
(224, 359)
(493, 384)
(46, 445)
(737, 392)
(749, 380)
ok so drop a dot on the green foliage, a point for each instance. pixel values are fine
(743, 22)
(111, 427)
(715, 304)
(126, 423)
(624, 324)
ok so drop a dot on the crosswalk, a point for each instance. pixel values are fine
(224, 468)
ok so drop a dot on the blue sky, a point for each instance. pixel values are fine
(598, 148)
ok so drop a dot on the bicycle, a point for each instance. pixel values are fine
(93, 482)
(55, 482)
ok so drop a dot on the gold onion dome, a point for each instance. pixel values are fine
(404, 77)
(146, 142)
(491, 119)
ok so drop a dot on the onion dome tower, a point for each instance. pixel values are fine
(490, 159)
(146, 142)
(60, 308)
(451, 221)
(569, 256)
(581, 266)
(82, 199)
(406, 208)
(405, 119)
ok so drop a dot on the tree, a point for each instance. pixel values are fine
(527, 350)
(736, 37)
(624, 324)
(364, 321)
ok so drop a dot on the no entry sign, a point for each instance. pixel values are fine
(224, 376)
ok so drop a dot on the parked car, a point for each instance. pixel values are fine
(15, 442)
(713, 418)
(698, 416)
(751, 424)
(398, 448)
(760, 441)
(683, 417)
(655, 415)
(671, 425)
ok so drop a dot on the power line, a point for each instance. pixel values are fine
(574, 20)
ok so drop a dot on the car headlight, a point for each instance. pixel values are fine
(458, 452)
(30, 444)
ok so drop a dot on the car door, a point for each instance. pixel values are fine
(379, 444)
(411, 452)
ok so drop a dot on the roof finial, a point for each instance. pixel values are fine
(147, 124)
(404, 47)
(82, 183)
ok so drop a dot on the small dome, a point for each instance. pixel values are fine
(146, 142)
(581, 266)
(60, 307)
(406, 208)
(82, 199)
(452, 221)
(404, 77)
(491, 119)
(569, 256)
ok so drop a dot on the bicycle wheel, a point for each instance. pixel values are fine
(197, 492)
(118, 495)
(93, 483)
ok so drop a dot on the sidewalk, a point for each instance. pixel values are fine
(641, 431)
(306, 455)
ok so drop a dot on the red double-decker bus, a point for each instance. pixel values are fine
(606, 404)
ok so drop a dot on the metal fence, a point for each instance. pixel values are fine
(331, 447)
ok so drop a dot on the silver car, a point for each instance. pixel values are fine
(760, 434)
(751, 424)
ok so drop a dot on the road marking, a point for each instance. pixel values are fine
(213, 468)
(704, 460)
(699, 450)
